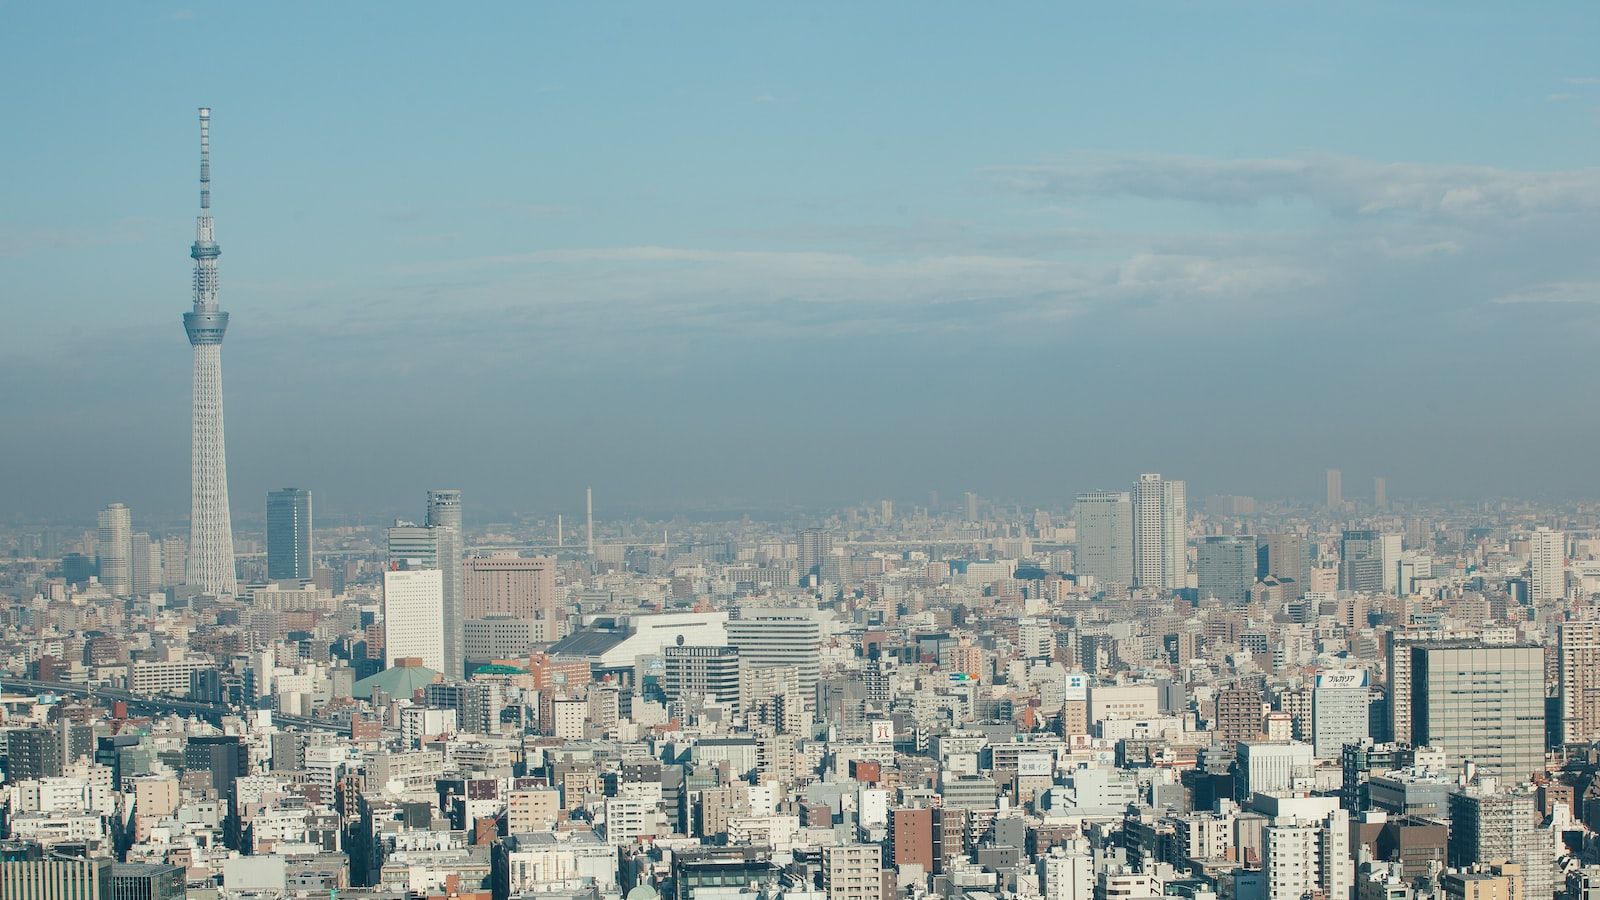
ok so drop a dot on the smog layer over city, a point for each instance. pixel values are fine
(737, 451)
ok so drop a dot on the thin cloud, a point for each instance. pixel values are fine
(1340, 185)
(1562, 292)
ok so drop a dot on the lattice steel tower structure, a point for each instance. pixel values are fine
(210, 566)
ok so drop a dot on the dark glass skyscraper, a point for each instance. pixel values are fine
(289, 534)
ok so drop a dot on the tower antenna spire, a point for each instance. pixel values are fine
(205, 157)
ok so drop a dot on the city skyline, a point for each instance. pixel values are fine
(1178, 247)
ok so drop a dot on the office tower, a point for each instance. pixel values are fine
(1105, 537)
(886, 511)
(1238, 715)
(77, 569)
(444, 517)
(56, 878)
(1362, 566)
(1286, 557)
(708, 672)
(210, 563)
(413, 617)
(522, 587)
(1547, 565)
(1225, 568)
(113, 549)
(1335, 489)
(1578, 660)
(289, 534)
(174, 560)
(972, 506)
(812, 547)
(1338, 711)
(768, 638)
(146, 568)
(1480, 704)
(413, 546)
(1380, 492)
(852, 871)
(1160, 522)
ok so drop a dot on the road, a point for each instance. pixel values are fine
(210, 711)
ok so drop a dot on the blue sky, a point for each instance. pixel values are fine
(744, 253)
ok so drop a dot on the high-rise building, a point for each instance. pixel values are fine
(1481, 704)
(147, 565)
(210, 561)
(971, 501)
(437, 544)
(113, 549)
(1380, 492)
(1286, 558)
(812, 547)
(1369, 561)
(1105, 537)
(1338, 711)
(1547, 565)
(413, 617)
(174, 560)
(522, 587)
(1335, 489)
(1160, 523)
(1398, 664)
(1578, 660)
(1225, 568)
(289, 534)
(773, 637)
(412, 546)
(444, 517)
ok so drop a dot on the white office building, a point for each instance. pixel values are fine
(774, 637)
(1338, 711)
(413, 617)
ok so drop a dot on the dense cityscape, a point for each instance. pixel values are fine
(1132, 698)
(1136, 692)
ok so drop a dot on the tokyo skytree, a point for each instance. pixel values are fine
(210, 566)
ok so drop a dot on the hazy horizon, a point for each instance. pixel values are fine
(716, 254)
